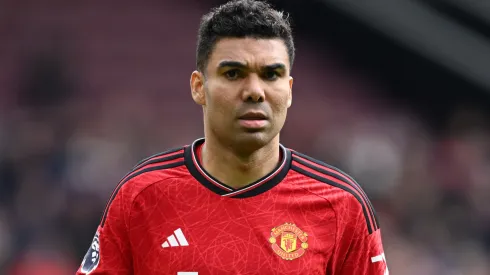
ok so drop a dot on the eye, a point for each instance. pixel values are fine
(271, 75)
(232, 74)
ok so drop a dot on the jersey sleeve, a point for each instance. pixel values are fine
(366, 256)
(358, 251)
(110, 251)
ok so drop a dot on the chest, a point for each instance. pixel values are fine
(208, 234)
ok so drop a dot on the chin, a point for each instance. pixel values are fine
(251, 141)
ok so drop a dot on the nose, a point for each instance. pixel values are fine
(253, 90)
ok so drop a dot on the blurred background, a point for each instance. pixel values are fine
(395, 92)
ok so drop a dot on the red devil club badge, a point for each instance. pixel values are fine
(288, 241)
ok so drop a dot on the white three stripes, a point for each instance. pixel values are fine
(181, 238)
(172, 241)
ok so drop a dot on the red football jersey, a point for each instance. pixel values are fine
(169, 216)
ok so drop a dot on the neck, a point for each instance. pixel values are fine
(237, 169)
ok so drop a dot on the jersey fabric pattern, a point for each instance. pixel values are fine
(169, 216)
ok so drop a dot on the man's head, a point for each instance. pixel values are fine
(244, 56)
(240, 19)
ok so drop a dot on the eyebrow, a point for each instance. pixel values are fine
(275, 66)
(236, 64)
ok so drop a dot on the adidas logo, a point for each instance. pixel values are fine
(172, 239)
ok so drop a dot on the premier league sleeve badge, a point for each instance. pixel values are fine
(92, 258)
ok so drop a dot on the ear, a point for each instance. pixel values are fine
(290, 96)
(197, 88)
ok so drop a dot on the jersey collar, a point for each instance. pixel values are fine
(258, 187)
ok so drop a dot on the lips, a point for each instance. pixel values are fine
(253, 116)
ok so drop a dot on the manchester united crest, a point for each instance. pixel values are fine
(288, 241)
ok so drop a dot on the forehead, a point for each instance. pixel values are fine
(251, 51)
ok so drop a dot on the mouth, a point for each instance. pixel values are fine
(253, 121)
(253, 116)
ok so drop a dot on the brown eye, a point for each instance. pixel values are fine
(232, 74)
(271, 75)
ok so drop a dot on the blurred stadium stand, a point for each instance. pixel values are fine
(395, 92)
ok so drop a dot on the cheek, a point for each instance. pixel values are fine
(219, 103)
(280, 101)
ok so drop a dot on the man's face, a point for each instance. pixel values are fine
(246, 90)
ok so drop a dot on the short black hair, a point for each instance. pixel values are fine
(242, 19)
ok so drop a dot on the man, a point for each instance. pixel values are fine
(237, 201)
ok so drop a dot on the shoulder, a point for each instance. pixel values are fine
(337, 186)
(145, 173)
(153, 169)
